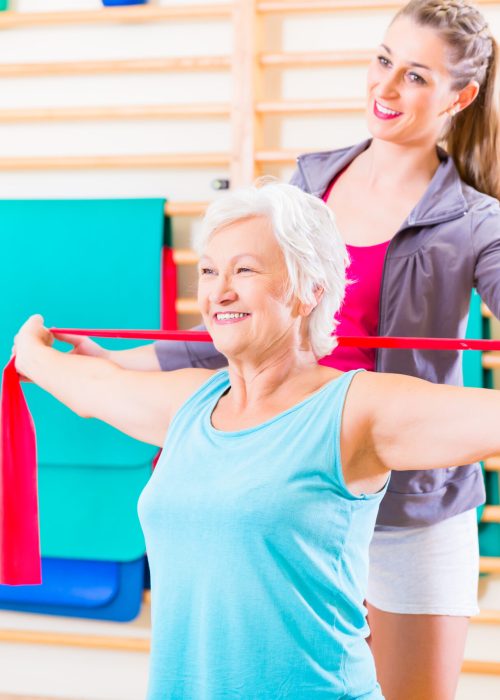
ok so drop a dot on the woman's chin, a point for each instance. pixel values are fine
(228, 348)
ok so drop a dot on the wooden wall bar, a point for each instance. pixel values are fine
(120, 15)
(167, 160)
(137, 65)
(309, 6)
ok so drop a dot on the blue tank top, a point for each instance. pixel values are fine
(259, 557)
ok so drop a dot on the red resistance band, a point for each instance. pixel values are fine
(19, 531)
(352, 341)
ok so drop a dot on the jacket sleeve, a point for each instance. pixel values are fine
(486, 242)
(174, 354)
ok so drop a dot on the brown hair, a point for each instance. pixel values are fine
(473, 135)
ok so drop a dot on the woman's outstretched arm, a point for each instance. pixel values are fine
(140, 404)
(407, 423)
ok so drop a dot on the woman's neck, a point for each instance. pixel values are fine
(389, 166)
(254, 382)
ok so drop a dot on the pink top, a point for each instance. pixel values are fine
(359, 314)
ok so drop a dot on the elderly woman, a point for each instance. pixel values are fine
(260, 512)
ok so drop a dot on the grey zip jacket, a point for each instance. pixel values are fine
(449, 244)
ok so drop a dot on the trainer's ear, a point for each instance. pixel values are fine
(464, 98)
(307, 309)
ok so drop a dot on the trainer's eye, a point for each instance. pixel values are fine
(416, 78)
(383, 61)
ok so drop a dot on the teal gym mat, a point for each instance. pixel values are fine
(83, 263)
(473, 372)
(476, 376)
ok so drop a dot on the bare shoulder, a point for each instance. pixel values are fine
(372, 394)
(184, 382)
(381, 386)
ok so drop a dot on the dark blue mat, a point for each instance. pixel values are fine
(79, 588)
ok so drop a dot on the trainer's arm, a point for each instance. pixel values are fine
(143, 357)
(140, 404)
(172, 354)
(164, 354)
(414, 424)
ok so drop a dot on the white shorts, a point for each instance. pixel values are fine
(429, 570)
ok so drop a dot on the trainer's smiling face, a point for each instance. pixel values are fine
(409, 86)
(242, 288)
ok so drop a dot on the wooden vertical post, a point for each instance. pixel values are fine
(245, 132)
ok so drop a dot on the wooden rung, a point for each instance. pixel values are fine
(284, 6)
(311, 106)
(136, 644)
(492, 464)
(137, 65)
(117, 15)
(185, 208)
(484, 668)
(490, 360)
(187, 306)
(65, 639)
(323, 58)
(288, 6)
(486, 617)
(280, 157)
(489, 565)
(9, 696)
(485, 311)
(491, 514)
(167, 160)
(58, 114)
(185, 257)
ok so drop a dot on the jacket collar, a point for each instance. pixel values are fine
(442, 201)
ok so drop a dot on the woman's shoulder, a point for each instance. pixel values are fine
(479, 202)
(315, 170)
(184, 384)
(193, 378)
(332, 155)
(483, 212)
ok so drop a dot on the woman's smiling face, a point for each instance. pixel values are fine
(242, 290)
(409, 87)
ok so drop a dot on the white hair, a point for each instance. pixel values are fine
(304, 227)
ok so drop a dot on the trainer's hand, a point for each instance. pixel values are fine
(83, 345)
(31, 336)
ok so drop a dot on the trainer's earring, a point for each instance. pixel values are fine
(455, 110)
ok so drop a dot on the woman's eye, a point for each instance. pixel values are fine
(383, 61)
(244, 269)
(416, 78)
(206, 271)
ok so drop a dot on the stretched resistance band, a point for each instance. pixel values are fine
(351, 341)
(19, 533)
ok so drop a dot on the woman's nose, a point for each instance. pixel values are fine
(222, 291)
(388, 86)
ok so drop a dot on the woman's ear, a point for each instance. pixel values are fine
(307, 309)
(465, 97)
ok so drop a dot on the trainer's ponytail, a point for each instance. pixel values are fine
(472, 137)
